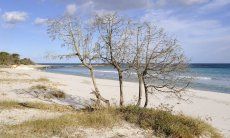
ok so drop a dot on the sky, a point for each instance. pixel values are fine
(202, 27)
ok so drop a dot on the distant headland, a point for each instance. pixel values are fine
(8, 59)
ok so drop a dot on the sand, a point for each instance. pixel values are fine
(210, 106)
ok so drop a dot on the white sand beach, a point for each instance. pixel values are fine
(210, 106)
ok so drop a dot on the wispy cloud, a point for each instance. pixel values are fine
(14, 17)
(122, 4)
(71, 9)
(215, 5)
(191, 2)
(117, 5)
(207, 35)
(40, 21)
(180, 2)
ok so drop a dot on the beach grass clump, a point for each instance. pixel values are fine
(43, 79)
(35, 105)
(48, 107)
(60, 125)
(39, 87)
(10, 80)
(99, 118)
(165, 123)
(47, 92)
(9, 105)
(58, 94)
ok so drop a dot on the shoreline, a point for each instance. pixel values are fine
(212, 107)
(190, 89)
(44, 67)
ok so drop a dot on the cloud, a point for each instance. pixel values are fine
(186, 26)
(191, 2)
(86, 8)
(117, 5)
(71, 9)
(14, 17)
(161, 3)
(40, 21)
(215, 4)
(202, 39)
(122, 4)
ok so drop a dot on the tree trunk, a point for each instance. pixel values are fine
(146, 94)
(96, 92)
(120, 75)
(140, 89)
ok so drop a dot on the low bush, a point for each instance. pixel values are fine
(165, 123)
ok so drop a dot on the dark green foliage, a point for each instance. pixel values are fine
(13, 59)
(4, 58)
(164, 122)
(26, 61)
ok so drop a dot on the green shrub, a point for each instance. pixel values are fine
(167, 124)
(26, 61)
(13, 59)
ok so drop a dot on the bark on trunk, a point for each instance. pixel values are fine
(121, 88)
(96, 92)
(140, 89)
(146, 94)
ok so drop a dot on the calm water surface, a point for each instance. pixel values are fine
(211, 77)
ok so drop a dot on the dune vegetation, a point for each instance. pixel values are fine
(161, 122)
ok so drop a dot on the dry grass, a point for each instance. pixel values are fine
(48, 92)
(42, 79)
(8, 80)
(35, 105)
(23, 74)
(57, 126)
(163, 123)
(9, 105)
(39, 87)
(12, 80)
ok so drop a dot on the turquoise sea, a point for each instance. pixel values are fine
(211, 77)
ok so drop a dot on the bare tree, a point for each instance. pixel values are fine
(78, 37)
(140, 37)
(114, 43)
(159, 62)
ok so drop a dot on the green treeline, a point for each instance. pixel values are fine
(13, 59)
